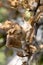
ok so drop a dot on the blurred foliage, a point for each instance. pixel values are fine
(2, 39)
(40, 62)
(9, 52)
(28, 15)
(3, 14)
(2, 56)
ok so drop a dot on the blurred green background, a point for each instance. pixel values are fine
(2, 56)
